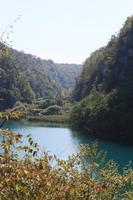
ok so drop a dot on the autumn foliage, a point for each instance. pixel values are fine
(26, 173)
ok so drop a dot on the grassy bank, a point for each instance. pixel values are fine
(50, 118)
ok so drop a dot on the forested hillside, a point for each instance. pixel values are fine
(25, 77)
(63, 75)
(105, 88)
(13, 86)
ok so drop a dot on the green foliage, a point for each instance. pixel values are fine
(43, 104)
(45, 77)
(62, 118)
(46, 110)
(24, 77)
(12, 86)
(47, 177)
(53, 110)
(65, 75)
(107, 75)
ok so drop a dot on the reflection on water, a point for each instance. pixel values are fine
(63, 141)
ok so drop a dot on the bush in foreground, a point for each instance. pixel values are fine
(40, 177)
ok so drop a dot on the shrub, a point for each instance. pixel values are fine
(52, 110)
(47, 177)
(43, 104)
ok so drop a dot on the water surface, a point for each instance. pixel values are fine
(64, 141)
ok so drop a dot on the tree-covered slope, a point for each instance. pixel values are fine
(46, 73)
(105, 88)
(13, 86)
(31, 77)
(65, 74)
(34, 71)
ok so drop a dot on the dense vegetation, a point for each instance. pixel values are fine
(25, 77)
(65, 74)
(105, 88)
(105, 95)
(12, 85)
(45, 77)
(48, 111)
(45, 176)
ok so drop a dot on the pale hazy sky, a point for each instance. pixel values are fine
(63, 30)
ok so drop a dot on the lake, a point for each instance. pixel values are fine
(64, 141)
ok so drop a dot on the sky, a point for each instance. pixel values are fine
(66, 31)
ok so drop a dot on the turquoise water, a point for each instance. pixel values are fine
(64, 141)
